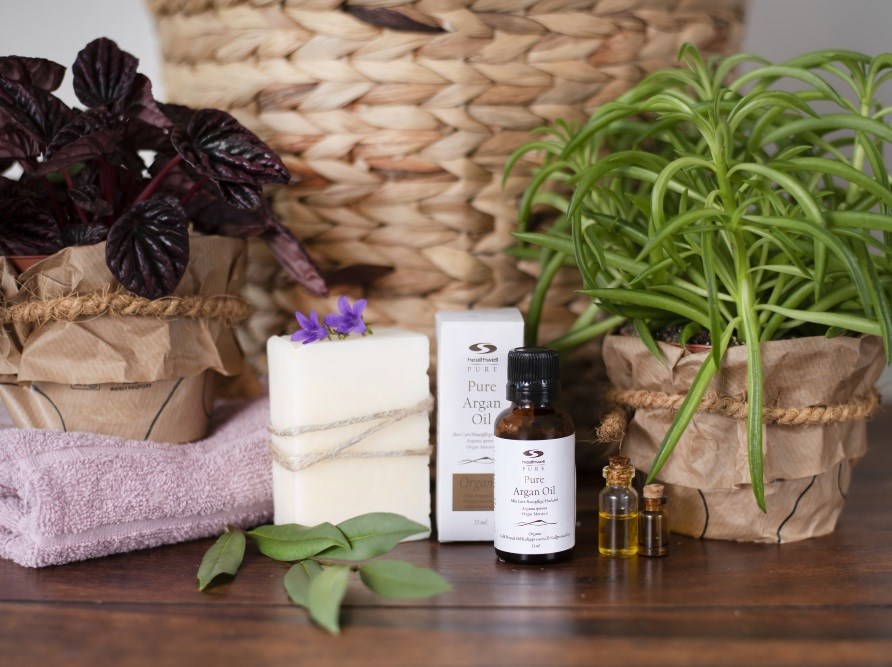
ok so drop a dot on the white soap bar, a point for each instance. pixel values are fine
(332, 381)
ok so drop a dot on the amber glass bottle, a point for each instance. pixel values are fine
(653, 524)
(535, 469)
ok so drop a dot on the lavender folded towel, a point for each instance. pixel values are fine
(71, 496)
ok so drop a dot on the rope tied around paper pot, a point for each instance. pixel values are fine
(342, 450)
(121, 303)
(613, 425)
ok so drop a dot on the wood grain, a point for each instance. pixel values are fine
(825, 601)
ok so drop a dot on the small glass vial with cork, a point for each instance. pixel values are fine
(618, 510)
(535, 466)
(653, 523)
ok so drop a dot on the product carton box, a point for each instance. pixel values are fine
(472, 369)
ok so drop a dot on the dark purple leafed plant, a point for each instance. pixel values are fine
(84, 181)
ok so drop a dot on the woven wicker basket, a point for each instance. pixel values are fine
(397, 117)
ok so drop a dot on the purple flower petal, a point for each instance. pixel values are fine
(344, 306)
(310, 328)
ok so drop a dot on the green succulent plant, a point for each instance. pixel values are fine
(712, 198)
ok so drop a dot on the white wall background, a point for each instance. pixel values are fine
(778, 29)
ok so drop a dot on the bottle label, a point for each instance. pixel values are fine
(535, 495)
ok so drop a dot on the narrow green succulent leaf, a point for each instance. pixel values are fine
(656, 301)
(539, 178)
(879, 298)
(551, 264)
(829, 123)
(842, 171)
(325, 595)
(518, 153)
(825, 239)
(400, 580)
(689, 405)
(755, 399)
(841, 320)
(648, 339)
(759, 99)
(561, 244)
(670, 228)
(291, 541)
(690, 330)
(712, 299)
(373, 534)
(297, 581)
(225, 557)
(860, 220)
(574, 339)
(783, 71)
(809, 207)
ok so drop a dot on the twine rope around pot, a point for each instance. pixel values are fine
(613, 426)
(121, 303)
(385, 418)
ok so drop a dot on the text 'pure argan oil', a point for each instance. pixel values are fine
(535, 467)
(472, 362)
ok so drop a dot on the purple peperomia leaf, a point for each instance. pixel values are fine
(37, 72)
(103, 74)
(84, 124)
(310, 330)
(88, 197)
(178, 114)
(348, 319)
(27, 229)
(210, 215)
(217, 146)
(16, 144)
(148, 247)
(140, 104)
(84, 234)
(245, 196)
(32, 110)
(290, 253)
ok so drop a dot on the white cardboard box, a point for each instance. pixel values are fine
(472, 371)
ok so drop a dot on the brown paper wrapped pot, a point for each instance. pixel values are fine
(130, 376)
(807, 469)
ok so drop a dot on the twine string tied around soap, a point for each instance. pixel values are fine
(613, 425)
(342, 450)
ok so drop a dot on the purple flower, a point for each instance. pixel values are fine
(310, 330)
(350, 318)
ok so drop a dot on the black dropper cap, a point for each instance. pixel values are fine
(533, 374)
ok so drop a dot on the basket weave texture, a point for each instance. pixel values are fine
(397, 117)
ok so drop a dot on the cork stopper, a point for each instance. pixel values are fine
(619, 471)
(653, 491)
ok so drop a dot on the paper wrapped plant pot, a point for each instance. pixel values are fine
(807, 467)
(78, 353)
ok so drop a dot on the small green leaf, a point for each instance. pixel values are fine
(224, 557)
(297, 581)
(402, 580)
(291, 541)
(371, 535)
(648, 339)
(324, 597)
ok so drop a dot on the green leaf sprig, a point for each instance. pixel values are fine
(325, 556)
(711, 198)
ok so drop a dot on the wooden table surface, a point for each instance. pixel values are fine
(825, 601)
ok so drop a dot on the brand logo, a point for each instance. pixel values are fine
(534, 453)
(482, 348)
